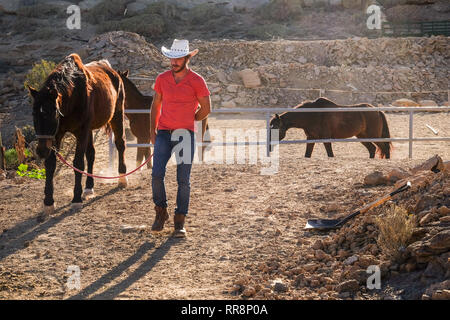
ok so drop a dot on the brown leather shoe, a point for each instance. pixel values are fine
(161, 217)
(180, 231)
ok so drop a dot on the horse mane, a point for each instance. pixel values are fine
(103, 62)
(67, 74)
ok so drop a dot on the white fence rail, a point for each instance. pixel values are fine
(268, 112)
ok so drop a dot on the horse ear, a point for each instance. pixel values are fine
(126, 73)
(33, 92)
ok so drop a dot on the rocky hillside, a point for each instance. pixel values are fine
(336, 265)
(275, 73)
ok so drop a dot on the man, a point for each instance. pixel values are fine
(175, 106)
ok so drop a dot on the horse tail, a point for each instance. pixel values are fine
(385, 148)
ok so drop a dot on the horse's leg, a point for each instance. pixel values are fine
(329, 149)
(90, 158)
(50, 167)
(140, 154)
(117, 127)
(309, 149)
(385, 149)
(78, 162)
(371, 147)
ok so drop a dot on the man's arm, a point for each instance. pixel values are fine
(205, 108)
(155, 110)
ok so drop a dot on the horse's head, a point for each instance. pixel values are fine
(46, 117)
(276, 123)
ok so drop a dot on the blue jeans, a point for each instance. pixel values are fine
(164, 147)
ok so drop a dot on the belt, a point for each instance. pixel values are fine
(171, 131)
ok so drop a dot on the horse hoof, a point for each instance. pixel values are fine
(48, 210)
(88, 193)
(76, 206)
(123, 182)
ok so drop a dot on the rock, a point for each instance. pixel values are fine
(310, 267)
(405, 103)
(318, 244)
(250, 78)
(427, 103)
(441, 295)
(348, 286)
(229, 104)
(9, 6)
(433, 270)
(426, 219)
(374, 179)
(351, 260)
(232, 88)
(443, 211)
(279, 286)
(445, 219)
(129, 228)
(441, 241)
(87, 5)
(434, 163)
(397, 174)
(249, 292)
(321, 255)
(367, 260)
(136, 7)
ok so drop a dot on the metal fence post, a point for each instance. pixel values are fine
(268, 134)
(411, 133)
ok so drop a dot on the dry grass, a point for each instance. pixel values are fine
(396, 228)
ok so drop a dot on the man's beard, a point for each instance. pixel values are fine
(181, 68)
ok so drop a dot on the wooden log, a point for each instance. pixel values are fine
(20, 146)
(2, 155)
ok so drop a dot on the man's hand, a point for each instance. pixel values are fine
(155, 110)
(205, 108)
(152, 137)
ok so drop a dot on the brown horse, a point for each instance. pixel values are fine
(140, 123)
(336, 125)
(77, 98)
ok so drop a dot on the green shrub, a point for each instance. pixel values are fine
(38, 74)
(281, 10)
(11, 157)
(267, 31)
(396, 229)
(24, 171)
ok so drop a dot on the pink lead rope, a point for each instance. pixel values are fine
(99, 177)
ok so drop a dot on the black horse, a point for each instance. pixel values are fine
(77, 98)
(336, 125)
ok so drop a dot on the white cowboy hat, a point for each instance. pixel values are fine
(179, 49)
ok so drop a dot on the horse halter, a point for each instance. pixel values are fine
(43, 136)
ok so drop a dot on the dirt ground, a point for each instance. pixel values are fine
(237, 217)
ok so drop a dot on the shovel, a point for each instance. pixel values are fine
(327, 224)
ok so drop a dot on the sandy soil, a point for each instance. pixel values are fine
(237, 216)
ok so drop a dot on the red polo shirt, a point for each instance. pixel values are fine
(179, 100)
